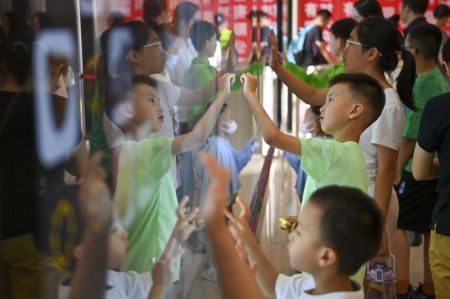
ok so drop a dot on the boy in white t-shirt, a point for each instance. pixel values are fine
(96, 210)
(339, 229)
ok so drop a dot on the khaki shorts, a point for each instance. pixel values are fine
(440, 264)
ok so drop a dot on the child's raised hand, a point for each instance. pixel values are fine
(250, 83)
(185, 224)
(239, 228)
(94, 196)
(225, 83)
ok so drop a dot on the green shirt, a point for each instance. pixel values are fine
(198, 74)
(426, 86)
(328, 162)
(318, 81)
(145, 199)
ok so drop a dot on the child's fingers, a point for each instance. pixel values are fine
(230, 216)
(245, 211)
(181, 207)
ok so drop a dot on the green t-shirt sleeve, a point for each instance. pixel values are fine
(155, 154)
(412, 124)
(317, 156)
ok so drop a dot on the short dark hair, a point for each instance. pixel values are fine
(121, 88)
(343, 27)
(153, 8)
(15, 61)
(365, 87)
(351, 223)
(441, 11)
(324, 13)
(417, 6)
(368, 8)
(201, 31)
(427, 39)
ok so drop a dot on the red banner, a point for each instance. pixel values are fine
(235, 12)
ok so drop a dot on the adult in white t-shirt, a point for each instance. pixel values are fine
(298, 287)
(386, 131)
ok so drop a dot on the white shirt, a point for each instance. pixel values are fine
(186, 53)
(299, 285)
(120, 285)
(387, 131)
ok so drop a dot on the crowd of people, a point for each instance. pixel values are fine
(158, 175)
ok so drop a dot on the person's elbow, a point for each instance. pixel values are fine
(271, 137)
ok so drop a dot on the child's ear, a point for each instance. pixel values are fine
(327, 257)
(78, 252)
(356, 111)
(126, 110)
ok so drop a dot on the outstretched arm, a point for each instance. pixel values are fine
(202, 129)
(96, 209)
(266, 274)
(270, 132)
(236, 277)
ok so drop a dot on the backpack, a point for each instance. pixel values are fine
(295, 48)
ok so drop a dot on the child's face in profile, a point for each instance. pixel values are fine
(117, 247)
(147, 109)
(338, 105)
(304, 241)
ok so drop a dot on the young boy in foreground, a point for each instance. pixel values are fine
(339, 229)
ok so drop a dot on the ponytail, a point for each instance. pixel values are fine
(406, 79)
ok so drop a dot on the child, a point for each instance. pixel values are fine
(95, 202)
(145, 196)
(353, 103)
(204, 39)
(417, 199)
(434, 136)
(339, 229)
(219, 146)
(234, 161)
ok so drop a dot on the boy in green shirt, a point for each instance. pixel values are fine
(353, 103)
(145, 196)
(417, 199)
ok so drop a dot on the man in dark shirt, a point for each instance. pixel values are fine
(314, 52)
(434, 136)
(412, 14)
